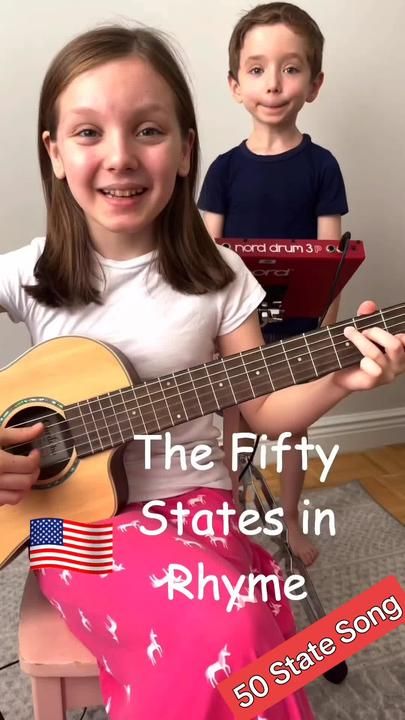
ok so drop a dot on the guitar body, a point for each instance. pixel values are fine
(48, 377)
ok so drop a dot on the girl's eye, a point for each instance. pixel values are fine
(87, 133)
(149, 132)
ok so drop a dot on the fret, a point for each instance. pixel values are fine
(188, 395)
(395, 318)
(173, 398)
(146, 409)
(160, 404)
(195, 392)
(175, 376)
(333, 345)
(238, 378)
(78, 430)
(126, 407)
(286, 357)
(152, 404)
(299, 359)
(94, 421)
(220, 384)
(228, 381)
(204, 389)
(345, 350)
(213, 389)
(383, 320)
(266, 364)
(258, 373)
(137, 422)
(92, 436)
(322, 352)
(247, 371)
(362, 323)
(111, 420)
(310, 355)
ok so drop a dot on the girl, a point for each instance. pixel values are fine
(126, 260)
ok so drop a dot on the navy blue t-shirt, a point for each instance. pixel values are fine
(274, 196)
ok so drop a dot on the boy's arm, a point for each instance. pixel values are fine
(330, 228)
(214, 224)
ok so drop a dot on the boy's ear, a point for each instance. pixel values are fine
(234, 88)
(315, 87)
(54, 155)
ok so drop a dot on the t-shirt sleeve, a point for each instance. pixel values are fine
(213, 192)
(240, 298)
(331, 194)
(16, 270)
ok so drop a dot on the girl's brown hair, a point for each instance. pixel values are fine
(188, 259)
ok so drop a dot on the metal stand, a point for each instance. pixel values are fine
(253, 488)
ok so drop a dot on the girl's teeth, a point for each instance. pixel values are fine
(122, 193)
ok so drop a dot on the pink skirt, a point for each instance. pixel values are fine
(162, 638)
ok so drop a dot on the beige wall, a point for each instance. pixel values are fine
(359, 116)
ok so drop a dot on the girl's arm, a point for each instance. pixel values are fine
(296, 408)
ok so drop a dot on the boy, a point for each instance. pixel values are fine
(277, 183)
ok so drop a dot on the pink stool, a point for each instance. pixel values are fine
(64, 674)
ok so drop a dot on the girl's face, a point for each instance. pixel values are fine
(119, 146)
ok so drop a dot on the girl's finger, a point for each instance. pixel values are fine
(366, 346)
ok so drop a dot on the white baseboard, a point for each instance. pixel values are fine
(355, 432)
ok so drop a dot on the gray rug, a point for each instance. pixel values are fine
(369, 545)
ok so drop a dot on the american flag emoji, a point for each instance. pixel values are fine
(55, 542)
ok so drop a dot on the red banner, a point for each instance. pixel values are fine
(312, 652)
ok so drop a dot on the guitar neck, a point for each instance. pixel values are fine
(153, 406)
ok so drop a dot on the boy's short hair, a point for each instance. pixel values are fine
(270, 14)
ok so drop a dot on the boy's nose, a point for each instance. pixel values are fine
(273, 87)
(273, 82)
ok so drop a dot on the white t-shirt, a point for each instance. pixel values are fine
(160, 330)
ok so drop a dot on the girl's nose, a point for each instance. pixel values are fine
(120, 153)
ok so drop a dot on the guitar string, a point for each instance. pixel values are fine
(150, 404)
(262, 350)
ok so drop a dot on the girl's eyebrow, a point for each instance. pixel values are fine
(147, 107)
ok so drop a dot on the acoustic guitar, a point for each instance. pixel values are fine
(92, 403)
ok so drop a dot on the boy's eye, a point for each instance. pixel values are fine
(255, 70)
(291, 70)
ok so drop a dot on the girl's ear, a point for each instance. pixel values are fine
(185, 160)
(53, 152)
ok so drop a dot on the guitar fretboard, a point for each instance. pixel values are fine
(108, 420)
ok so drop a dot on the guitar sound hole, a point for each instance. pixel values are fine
(55, 444)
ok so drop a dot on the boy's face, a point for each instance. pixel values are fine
(274, 79)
